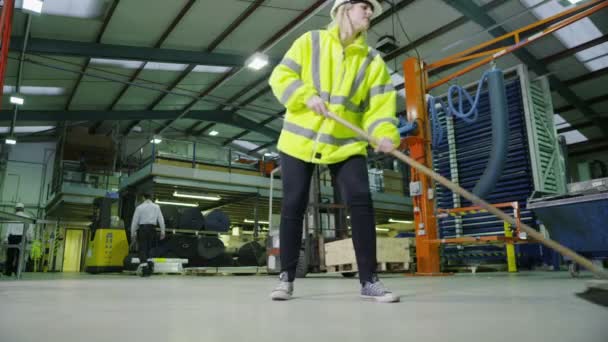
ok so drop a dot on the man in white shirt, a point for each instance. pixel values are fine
(13, 236)
(143, 228)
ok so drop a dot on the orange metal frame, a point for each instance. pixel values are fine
(6, 22)
(417, 86)
(499, 239)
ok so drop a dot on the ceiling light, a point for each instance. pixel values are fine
(11, 141)
(34, 90)
(203, 197)
(382, 229)
(32, 6)
(25, 129)
(157, 66)
(399, 221)
(17, 100)
(156, 140)
(575, 1)
(212, 69)
(88, 9)
(214, 133)
(179, 204)
(257, 61)
(252, 221)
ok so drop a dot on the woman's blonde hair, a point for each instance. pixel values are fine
(343, 22)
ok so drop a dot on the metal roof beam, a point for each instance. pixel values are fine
(233, 26)
(569, 52)
(587, 77)
(478, 15)
(216, 116)
(277, 36)
(591, 101)
(112, 51)
(102, 30)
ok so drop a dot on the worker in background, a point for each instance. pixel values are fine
(13, 236)
(333, 70)
(143, 230)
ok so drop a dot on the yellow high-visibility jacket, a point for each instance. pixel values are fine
(354, 83)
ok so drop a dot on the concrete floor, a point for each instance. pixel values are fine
(482, 307)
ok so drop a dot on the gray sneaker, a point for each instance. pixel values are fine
(375, 290)
(284, 290)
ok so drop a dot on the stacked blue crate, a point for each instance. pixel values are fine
(472, 144)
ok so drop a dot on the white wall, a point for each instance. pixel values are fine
(27, 176)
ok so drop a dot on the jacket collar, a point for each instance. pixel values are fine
(360, 42)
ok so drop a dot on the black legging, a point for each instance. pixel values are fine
(352, 178)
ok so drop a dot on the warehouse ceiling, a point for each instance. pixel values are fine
(176, 67)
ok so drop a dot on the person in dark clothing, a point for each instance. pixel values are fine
(143, 230)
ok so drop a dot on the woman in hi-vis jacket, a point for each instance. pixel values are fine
(333, 70)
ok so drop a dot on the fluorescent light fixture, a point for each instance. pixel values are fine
(31, 90)
(214, 133)
(257, 62)
(203, 197)
(399, 221)
(10, 141)
(88, 9)
(157, 66)
(575, 1)
(26, 129)
(120, 63)
(156, 140)
(382, 229)
(212, 69)
(179, 204)
(252, 221)
(32, 6)
(17, 100)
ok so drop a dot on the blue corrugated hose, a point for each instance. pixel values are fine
(451, 109)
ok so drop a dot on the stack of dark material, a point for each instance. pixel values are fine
(252, 254)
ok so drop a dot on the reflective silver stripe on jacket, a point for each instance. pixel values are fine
(361, 74)
(375, 124)
(334, 99)
(340, 100)
(324, 138)
(316, 60)
(381, 89)
(295, 85)
(293, 65)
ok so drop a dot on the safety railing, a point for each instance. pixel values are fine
(188, 153)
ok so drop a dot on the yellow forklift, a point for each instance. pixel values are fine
(109, 245)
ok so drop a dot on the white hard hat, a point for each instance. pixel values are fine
(374, 3)
(19, 206)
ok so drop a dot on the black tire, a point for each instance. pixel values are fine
(349, 274)
(302, 268)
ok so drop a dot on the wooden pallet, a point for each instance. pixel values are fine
(340, 255)
(386, 267)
